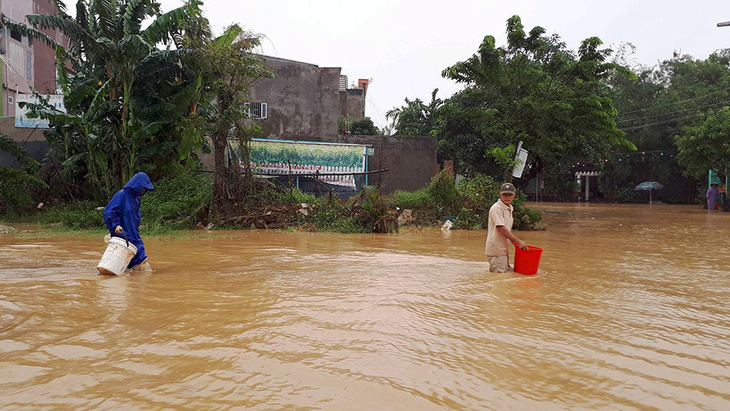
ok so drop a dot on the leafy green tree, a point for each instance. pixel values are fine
(654, 108)
(533, 90)
(114, 124)
(707, 145)
(416, 118)
(359, 127)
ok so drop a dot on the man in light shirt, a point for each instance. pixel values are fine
(499, 232)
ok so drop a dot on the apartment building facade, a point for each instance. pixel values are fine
(26, 64)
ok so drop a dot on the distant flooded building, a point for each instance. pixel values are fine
(304, 101)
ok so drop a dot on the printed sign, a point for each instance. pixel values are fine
(520, 167)
(21, 114)
(300, 157)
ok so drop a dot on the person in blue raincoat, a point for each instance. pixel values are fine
(123, 214)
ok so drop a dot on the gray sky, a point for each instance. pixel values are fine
(403, 45)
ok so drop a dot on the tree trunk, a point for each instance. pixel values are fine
(229, 187)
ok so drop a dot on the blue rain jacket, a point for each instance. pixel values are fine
(124, 209)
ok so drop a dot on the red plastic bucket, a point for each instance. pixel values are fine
(527, 261)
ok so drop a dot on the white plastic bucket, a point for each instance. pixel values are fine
(116, 257)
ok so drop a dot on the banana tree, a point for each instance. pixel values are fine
(109, 52)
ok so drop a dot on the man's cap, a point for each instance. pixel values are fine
(507, 188)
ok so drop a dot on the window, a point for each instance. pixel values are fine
(257, 110)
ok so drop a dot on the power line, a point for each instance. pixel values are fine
(677, 112)
(676, 102)
(377, 111)
(657, 123)
(642, 152)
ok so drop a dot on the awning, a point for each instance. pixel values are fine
(587, 173)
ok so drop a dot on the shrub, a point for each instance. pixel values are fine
(411, 199)
(431, 204)
(332, 216)
(16, 183)
(443, 193)
(79, 215)
(179, 201)
(374, 212)
(526, 218)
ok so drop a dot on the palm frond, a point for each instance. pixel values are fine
(163, 25)
(70, 29)
(61, 8)
(159, 59)
(134, 14)
(82, 14)
(39, 110)
(61, 70)
(76, 96)
(106, 10)
(228, 37)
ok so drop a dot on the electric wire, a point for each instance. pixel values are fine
(657, 123)
(716, 103)
(676, 102)
(377, 110)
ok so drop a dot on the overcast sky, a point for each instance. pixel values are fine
(403, 45)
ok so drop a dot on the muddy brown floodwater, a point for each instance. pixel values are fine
(630, 311)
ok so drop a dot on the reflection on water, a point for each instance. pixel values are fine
(629, 311)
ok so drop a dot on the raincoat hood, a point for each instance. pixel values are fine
(135, 184)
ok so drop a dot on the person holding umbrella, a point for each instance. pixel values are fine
(713, 194)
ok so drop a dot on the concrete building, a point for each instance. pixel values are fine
(27, 64)
(304, 101)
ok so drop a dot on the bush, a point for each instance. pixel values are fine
(411, 199)
(178, 201)
(443, 193)
(478, 194)
(15, 190)
(467, 204)
(480, 188)
(331, 214)
(526, 218)
(431, 204)
(16, 184)
(374, 212)
(79, 215)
